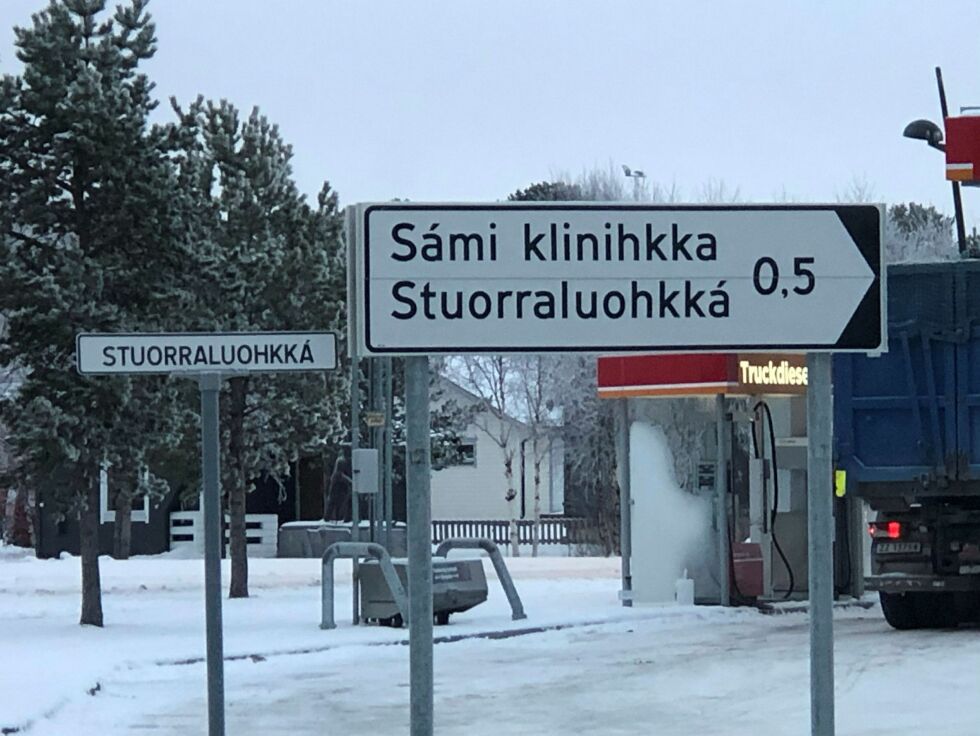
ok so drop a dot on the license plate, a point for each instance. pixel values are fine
(898, 548)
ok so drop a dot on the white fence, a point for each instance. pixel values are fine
(551, 530)
(261, 532)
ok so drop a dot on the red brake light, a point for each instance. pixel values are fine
(885, 530)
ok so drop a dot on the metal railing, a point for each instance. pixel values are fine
(503, 574)
(356, 551)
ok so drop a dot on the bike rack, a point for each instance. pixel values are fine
(355, 551)
(503, 574)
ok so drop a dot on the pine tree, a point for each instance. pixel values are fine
(268, 261)
(152, 420)
(919, 233)
(86, 235)
(548, 191)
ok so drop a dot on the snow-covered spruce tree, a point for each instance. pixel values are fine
(916, 233)
(316, 296)
(548, 191)
(85, 228)
(152, 421)
(268, 261)
(8, 490)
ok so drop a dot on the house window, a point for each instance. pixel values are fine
(467, 451)
(462, 452)
(108, 515)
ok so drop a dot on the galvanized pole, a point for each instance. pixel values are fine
(820, 531)
(355, 418)
(419, 545)
(721, 499)
(625, 499)
(389, 450)
(377, 440)
(210, 386)
(369, 375)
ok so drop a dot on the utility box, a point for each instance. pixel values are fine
(457, 585)
(365, 462)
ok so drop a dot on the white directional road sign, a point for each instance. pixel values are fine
(535, 277)
(205, 352)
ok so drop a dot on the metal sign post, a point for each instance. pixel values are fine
(355, 501)
(375, 421)
(625, 500)
(210, 385)
(355, 422)
(721, 501)
(206, 357)
(419, 545)
(388, 446)
(820, 533)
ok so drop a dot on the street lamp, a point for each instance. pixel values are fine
(925, 130)
(636, 175)
(928, 131)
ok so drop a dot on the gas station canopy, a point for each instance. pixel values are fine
(701, 374)
(963, 149)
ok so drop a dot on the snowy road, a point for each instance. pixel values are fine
(738, 673)
(643, 671)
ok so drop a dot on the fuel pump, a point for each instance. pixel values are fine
(764, 497)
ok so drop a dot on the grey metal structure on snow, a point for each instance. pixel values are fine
(503, 574)
(354, 551)
(457, 585)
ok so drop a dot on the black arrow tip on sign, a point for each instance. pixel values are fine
(863, 224)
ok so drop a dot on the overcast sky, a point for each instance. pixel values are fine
(472, 100)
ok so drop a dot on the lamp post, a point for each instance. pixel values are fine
(636, 176)
(928, 131)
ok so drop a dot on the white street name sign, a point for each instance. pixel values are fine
(536, 277)
(205, 352)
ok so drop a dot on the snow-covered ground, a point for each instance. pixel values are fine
(610, 671)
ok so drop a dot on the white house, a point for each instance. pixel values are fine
(476, 487)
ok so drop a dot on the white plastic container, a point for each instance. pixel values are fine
(684, 591)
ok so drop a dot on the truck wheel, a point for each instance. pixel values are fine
(442, 618)
(900, 611)
(936, 610)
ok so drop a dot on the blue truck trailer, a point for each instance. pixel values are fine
(907, 434)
